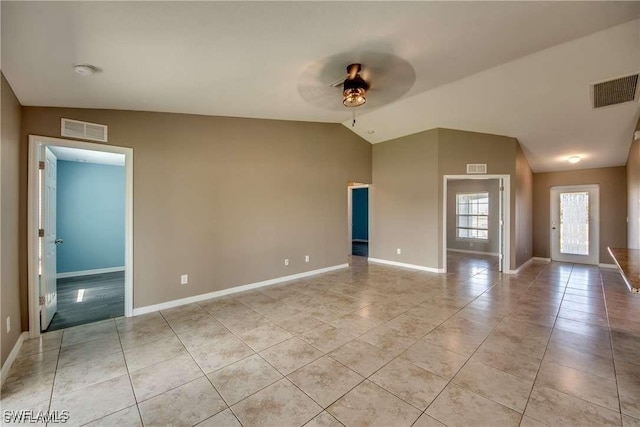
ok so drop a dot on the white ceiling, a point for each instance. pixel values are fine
(87, 156)
(479, 65)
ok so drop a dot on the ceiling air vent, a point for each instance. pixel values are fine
(84, 130)
(476, 168)
(616, 91)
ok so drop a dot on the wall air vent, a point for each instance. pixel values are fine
(616, 91)
(84, 130)
(475, 168)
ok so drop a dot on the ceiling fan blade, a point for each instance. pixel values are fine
(353, 71)
(338, 82)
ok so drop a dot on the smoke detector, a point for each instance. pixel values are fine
(84, 69)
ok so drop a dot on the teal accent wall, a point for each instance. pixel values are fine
(360, 215)
(90, 216)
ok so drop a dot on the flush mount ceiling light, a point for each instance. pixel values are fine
(574, 159)
(85, 69)
(354, 87)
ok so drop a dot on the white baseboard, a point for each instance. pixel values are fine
(89, 272)
(405, 265)
(602, 265)
(12, 357)
(464, 251)
(178, 302)
(522, 267)
(537, 258)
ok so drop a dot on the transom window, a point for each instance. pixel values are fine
(472, 216)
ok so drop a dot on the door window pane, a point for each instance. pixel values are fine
(574, 223)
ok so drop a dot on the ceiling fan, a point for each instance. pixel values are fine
(354, 87)
(372, 79)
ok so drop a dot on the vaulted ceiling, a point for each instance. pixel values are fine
(522, 69)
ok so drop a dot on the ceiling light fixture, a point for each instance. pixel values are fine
(85, 69)
(354, 88)
(574, 159)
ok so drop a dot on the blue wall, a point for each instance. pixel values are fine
(90, 216)
(360, 215)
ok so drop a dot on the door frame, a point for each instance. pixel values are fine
(36, 143)
(570, 188)
(350, 189)
(506, 217)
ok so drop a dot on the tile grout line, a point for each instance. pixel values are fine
(126, 366)
(613, 353)
(467, 361)
(199, 367)
(533, 384)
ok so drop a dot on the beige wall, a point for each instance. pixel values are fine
(9, 194)
(491, 186)
(224, 200)
(633, 194)
(407, 194)
(523, 208)
(457, 148)
(404, 200)
(613, 206)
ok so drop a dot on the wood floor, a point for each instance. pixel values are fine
(102, 298)
(360, 249)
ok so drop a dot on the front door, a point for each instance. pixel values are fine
(48, 287)
(575, 224)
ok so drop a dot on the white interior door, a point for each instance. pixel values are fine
(575, 219)
(48, 287)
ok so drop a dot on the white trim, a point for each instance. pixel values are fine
(603, 265)
(35, 143)
(541, 259)
(89, 272)
(506, 215)
(464, 251)
(524, 265)
(405, 265)
(12, 357)
(234, 290)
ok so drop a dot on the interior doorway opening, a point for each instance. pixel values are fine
(80, 233)
(476, 223)
(358, 219)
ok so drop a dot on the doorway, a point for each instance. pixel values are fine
(575, 218)
(475, 223)
(80, 233)
(358, 196)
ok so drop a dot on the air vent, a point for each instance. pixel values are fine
(476, 168)
(84, 130)
(616, 91)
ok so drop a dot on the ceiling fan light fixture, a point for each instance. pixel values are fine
(354, 97)
(354, 88)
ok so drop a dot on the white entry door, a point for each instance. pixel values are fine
(575, 219)
(48, 287)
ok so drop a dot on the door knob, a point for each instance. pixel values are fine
(58, 241)
(553, 228)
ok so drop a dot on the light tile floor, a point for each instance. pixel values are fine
(557, 344)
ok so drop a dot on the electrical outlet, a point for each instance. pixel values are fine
(8, 324)
(399, 251)
(306, 258)
(286, 261)
(184, 279)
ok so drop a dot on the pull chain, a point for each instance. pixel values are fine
(354, 117)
